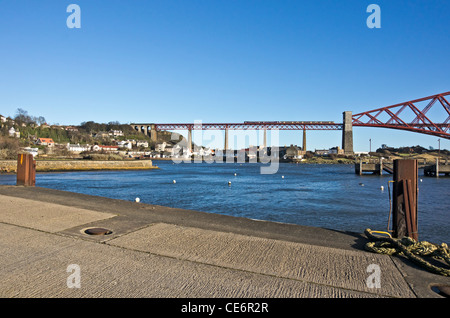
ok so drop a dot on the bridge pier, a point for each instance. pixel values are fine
(347, 133)
(190, 140)
(265, 139)
(372, 167)
(304, 140)
(153, 133)
(144, 130)
(226, 139)
(438, 168)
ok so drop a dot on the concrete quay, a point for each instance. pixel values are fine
(160, 252)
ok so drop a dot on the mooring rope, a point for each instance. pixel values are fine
(412, 249)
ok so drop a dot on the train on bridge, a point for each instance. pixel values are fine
(291, 122)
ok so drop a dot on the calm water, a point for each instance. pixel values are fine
(329, 196)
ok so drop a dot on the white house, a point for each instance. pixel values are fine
(105, 148)
(336, 150)
(161, 147)
(77, 148)
(116, 133)
(333, 150)
(124, 144)
(33, 151)
(142, 143)
(12, 132)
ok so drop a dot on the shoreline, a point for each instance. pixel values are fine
(10, 166)
(73, 165)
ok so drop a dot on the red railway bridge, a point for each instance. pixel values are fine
(409, 116)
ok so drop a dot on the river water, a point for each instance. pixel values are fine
(328, 196)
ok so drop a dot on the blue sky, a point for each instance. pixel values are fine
(224, 61)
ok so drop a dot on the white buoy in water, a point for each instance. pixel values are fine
(137, 200)
(174, 181)
(382, 188)
(361, 184)
(235, 174)
(282, 177)
(420, 180)
(229, 183)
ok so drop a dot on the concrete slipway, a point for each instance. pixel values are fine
(161, 252)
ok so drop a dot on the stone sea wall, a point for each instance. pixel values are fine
(10, 166)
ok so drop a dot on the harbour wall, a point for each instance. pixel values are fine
(10, 166)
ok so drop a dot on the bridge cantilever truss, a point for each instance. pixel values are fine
(420, 123)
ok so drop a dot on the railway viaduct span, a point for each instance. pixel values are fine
(410, 116)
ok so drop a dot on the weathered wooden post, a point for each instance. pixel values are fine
(380, 170)
(437, 167)
(26, 170)
(405, 194)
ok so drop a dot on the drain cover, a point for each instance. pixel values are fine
(443, 290)
(97, 231)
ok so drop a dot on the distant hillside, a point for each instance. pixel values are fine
(411, 150)
(24, 130)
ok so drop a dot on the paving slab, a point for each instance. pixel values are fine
(307, 263)
(45, 216)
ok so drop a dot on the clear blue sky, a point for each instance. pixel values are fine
(224, 61)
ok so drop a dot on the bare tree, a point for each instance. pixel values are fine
(22, 116)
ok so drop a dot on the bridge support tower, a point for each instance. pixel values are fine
(226, 139)
(347, 133)
(265, 139)
(304, 140)
(190, 140)
(153, 133)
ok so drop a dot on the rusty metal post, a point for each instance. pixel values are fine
(405, 195)
(26, 170)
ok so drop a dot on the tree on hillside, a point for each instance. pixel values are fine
(90, 126)
(41, 120)
(22, 116)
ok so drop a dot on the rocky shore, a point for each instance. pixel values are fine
(10, 166)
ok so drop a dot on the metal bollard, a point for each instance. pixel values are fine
(405, 195)
(26, 170)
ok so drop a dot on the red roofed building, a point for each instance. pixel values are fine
(45, 142)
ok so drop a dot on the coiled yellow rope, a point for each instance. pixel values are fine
(411, 249)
